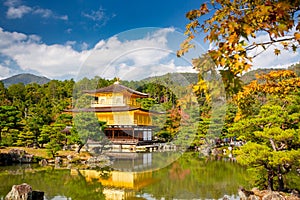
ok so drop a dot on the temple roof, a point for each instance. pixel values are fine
(116, 88)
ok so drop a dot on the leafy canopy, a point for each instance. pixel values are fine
(232, 27)
(268, 119)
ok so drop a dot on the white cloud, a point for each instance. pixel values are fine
(11, 3)
(99, 16)
(34, 38)
(84, 46)
(45, 13)
(4, 72)
(7, 38)
(30, 54)
(70, 43)
(107, 57)
(138, 72)
(135, 59)
(128, 59)
(63, 17)
(16, 11)
(267, 59)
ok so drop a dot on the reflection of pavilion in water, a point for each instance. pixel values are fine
(132, 172)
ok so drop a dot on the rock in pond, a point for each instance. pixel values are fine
(256, 194)
(24, 192)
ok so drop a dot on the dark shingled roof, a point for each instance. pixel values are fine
(114, 88)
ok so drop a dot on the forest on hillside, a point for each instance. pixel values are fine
(264, 114)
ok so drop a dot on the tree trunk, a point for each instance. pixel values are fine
(280, 179)
(79, 148)
(270, 180)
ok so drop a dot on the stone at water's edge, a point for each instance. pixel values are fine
(256, 194)
(20, 156)
(16, 156)
(24, 192)
(37, 195)
(19, 192)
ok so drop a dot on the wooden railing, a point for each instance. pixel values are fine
(124, 140)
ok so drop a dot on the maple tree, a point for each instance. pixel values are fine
(232, 27)
(279, 83)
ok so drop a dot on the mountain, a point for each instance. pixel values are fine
(181, 78)
(26, 79)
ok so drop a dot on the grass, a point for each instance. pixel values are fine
(43, 152)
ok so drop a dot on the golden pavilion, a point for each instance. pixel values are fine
(126, 121)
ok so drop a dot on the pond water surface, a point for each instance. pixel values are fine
(132, 176)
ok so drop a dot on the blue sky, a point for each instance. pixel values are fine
(92, 20)
(96, 37)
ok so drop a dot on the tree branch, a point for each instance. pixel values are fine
(273, 144)
(253, 46)
(282, 146)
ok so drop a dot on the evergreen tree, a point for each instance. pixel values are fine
(9, 119)
(271, 133)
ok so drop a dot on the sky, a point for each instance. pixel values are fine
(107, 38)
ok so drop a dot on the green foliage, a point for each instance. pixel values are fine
(9, 119)
(147, 103)
(26, 138)
(3, 95)
(57, 138)
(52, 148)
(272, 133)
(37, 105)
(87, 126)
(44, 137)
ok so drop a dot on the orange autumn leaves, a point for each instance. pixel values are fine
(279, 83)
(230, 25)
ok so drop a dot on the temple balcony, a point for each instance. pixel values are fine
(96, 104)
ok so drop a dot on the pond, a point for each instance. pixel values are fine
(132, 176)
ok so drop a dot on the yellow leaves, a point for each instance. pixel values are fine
(193, 14)
(233, 38)
(204, 9)
(247, 29)
(279, 83)
(222, 62)
(281, 28)
(285, 45)
(185, 46)
(277, 75)
(231, 22)
(236, 56)
(276, 52)
(297, 36)
(202, 88)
